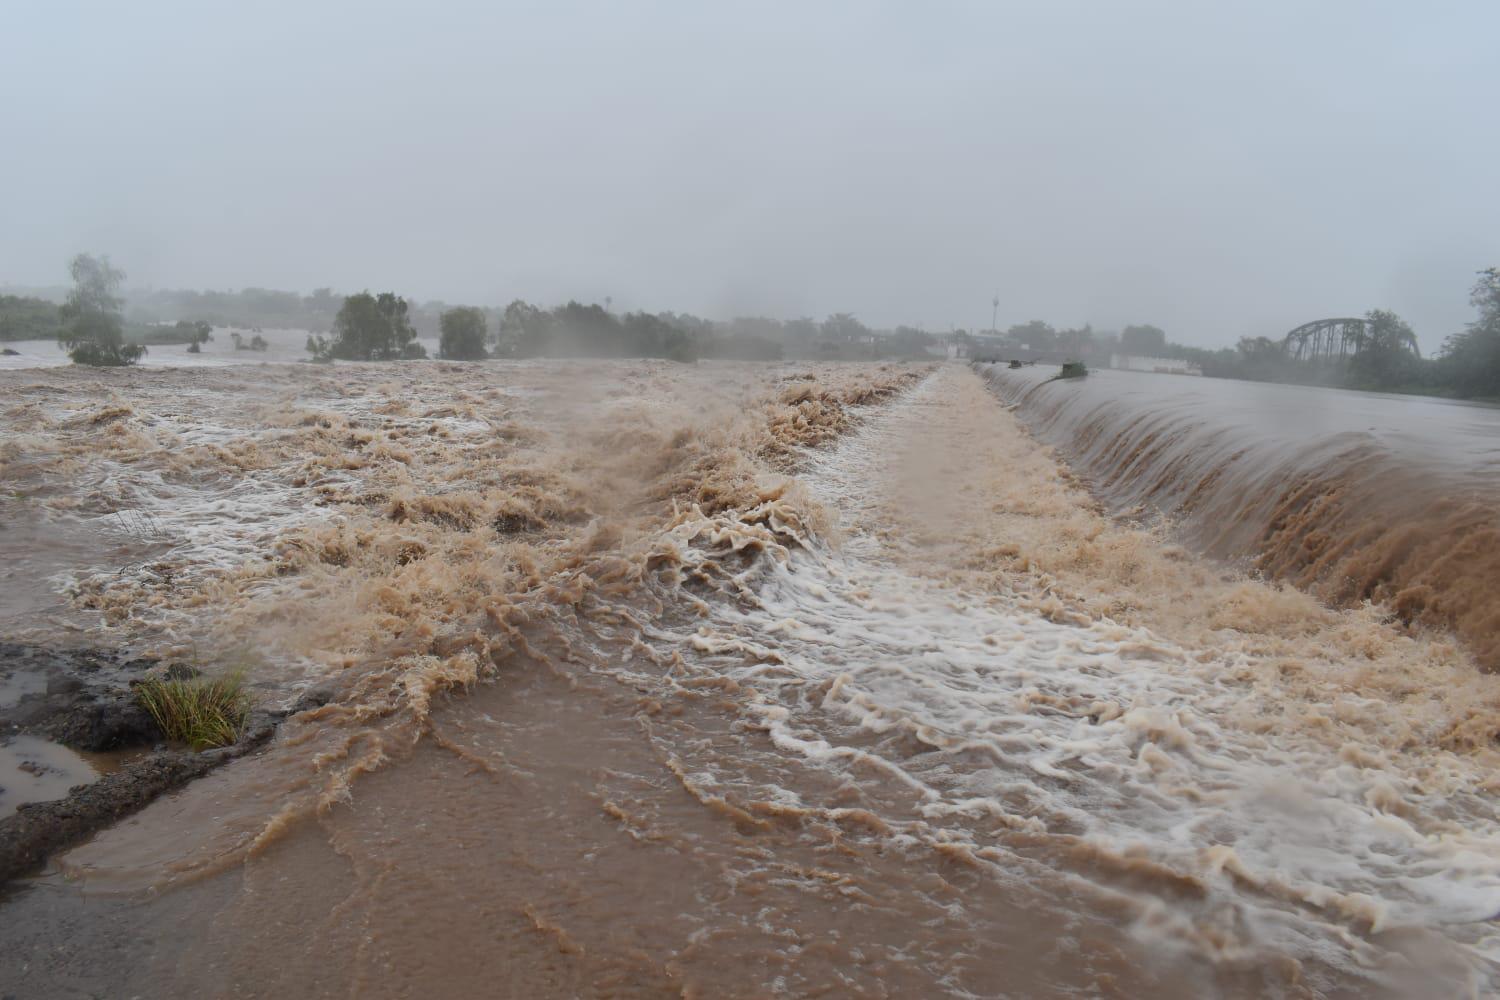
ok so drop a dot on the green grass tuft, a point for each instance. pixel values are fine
(201, 712)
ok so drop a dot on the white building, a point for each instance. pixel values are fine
(1167, 366)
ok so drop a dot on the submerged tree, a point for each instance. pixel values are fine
(369, 328)
(464, 333)
(194, 332)
(93, 331)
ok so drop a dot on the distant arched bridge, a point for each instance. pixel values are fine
(1326, 340)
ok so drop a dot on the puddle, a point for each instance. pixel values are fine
(35, 770)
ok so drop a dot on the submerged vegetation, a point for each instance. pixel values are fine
(192, 333)
(255, 343)
(202, 712)
(92, 329)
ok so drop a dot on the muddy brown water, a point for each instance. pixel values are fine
(1355, 496)
(904, 714)
(579, 863)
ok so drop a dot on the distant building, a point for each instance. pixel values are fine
(1166, 366)
(975, 346)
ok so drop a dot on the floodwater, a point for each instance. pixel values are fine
(732, 680)
(281, 346)
(1354, 496)
(34, 770)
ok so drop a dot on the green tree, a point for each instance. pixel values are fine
(1259, 359)
(194, 332)
(463, 334)
(369, 328)
(909, 342)
(589, 331)
(800, 333)
(524, 331)
(1388, 353)
(842, 328)
(1144, 340)
(93, 331)
(648, 335)
(1470, 362)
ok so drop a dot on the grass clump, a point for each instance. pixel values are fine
(200, 711)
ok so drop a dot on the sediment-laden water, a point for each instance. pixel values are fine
(1355, 496)
(731, 681)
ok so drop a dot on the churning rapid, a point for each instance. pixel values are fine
(724, 680)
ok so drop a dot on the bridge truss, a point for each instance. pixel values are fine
(1325, 340)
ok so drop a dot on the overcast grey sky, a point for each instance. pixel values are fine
(1216, 168)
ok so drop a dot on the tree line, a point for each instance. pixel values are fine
(379, 327)
(384, 326)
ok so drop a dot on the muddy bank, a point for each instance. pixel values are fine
(82, 700)
(38, 830)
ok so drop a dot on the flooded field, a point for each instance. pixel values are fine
(644, 679)
(281, 346)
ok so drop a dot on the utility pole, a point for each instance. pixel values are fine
(994, 312)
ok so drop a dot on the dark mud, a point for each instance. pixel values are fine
(77, 697)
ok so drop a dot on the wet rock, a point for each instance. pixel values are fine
(182, 672)
(315, 698)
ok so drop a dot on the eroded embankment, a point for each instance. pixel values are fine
(1350, 496)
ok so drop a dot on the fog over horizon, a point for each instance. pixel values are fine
(1218, 170)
